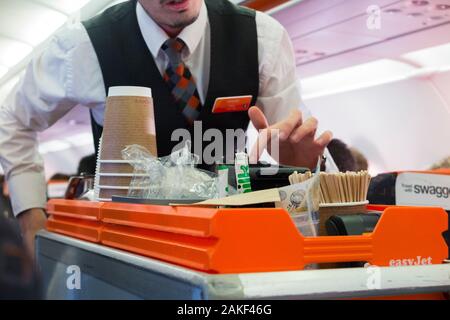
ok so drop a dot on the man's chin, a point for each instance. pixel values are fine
(183, 23)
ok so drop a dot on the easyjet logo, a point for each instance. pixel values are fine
(418, 261)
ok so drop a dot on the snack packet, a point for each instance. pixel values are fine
(301, 201)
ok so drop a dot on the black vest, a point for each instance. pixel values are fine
(125, 60)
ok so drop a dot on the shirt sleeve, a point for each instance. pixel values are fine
(279, 90)
(56, 80)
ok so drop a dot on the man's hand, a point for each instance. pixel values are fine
(31, 221)
(297, 143)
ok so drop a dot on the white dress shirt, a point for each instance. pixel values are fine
(68, 74)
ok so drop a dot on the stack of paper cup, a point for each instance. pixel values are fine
(129, 119)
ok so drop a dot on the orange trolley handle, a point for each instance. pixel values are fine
(403, 236)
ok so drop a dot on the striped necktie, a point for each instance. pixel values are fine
(180, 80)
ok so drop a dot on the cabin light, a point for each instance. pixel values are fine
(437, 57)
(44, 17)
(68, 6)
(432, 60)
(354, 78)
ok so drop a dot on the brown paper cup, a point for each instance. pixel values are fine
(116, 168)
(115, 181)
(129, 119)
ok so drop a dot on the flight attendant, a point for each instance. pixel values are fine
(189, 52)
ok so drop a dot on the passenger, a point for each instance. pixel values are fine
(87, 165)
(443, 164)
(360, 160)
(342, 155)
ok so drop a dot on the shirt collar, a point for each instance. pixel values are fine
(154, 36)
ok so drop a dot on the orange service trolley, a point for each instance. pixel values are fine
(248, 240)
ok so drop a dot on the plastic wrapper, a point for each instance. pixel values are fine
(173, 177)
(302, 201)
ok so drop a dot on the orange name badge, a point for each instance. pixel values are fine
(232, 104)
